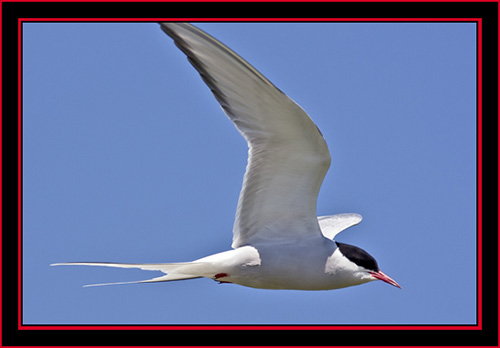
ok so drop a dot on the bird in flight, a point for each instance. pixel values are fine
(278, 241)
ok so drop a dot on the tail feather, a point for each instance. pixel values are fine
(165, 278)
(173, 271)
(163, 267)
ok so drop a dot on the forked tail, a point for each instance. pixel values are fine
(173, 271)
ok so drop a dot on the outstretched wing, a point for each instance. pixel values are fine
(332, 225)
(288, 157)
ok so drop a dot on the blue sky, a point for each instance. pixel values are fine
(127, 157)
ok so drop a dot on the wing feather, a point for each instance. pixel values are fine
(332, 225)
(288, 157)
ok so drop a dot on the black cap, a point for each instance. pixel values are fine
(358, 256)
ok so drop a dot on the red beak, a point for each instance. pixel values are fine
(381, 276)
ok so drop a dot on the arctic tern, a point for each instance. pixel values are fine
(278, 241)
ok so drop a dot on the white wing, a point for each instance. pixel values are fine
(288, 157)
(331, 225)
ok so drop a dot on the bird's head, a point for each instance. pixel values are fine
(367, 267)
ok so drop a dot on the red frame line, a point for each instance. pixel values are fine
(256, 1)
(478, 326)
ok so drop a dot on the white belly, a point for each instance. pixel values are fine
(299, 266)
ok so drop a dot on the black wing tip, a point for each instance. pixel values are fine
(196, 63)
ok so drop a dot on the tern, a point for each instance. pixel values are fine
(278, 241)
